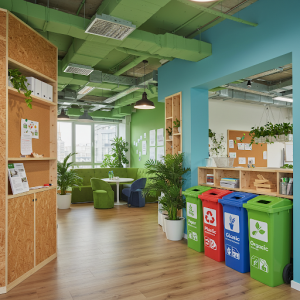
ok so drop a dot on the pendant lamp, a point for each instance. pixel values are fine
(85, 116)
(62, 115)
(144, 103)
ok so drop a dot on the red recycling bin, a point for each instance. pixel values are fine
(213, 223)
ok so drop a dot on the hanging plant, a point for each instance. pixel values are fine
(211, 134)
(217, 147)
(19, 82)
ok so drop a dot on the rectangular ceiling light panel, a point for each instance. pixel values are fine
(78, 69)
(85, 90)
(122, 94)
(110, 27)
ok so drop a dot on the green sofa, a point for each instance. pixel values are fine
(85, 192)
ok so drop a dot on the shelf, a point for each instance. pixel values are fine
(177, 133)
(286, 196)
(28, 72)
(31, 192)
(169, 118)
(35, 99)
(29, 158)
(169, 140)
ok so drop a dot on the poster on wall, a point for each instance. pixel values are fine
(241, 146)
(17, 178)
(160, 137)
(152, 153)
(144, 147)
(160, 153)
(248, 147)
(152, 138)
(29, 129)
(242, 160)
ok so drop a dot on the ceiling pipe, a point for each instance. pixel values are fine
(80, 7)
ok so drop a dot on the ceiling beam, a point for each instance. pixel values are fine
(80, 7)
(217, 13)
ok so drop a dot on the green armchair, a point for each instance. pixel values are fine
(103, 195)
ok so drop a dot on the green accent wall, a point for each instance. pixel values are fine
(142, 122)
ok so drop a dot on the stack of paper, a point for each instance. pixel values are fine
(230, 183)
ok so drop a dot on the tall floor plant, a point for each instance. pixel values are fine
(167, 176)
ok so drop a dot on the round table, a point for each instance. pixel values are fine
(117, 182)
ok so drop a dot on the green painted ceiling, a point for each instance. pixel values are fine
(162, 26)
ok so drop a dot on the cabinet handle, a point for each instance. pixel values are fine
(32, 200)
(35, 199)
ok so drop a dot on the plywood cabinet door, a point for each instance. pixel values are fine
(45, 224)
(20, 236)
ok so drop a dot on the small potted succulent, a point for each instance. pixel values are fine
(177, 125)
(170, 131)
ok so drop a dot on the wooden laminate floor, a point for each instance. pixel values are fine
(122, 253)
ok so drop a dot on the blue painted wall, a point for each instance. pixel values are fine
(239, 51)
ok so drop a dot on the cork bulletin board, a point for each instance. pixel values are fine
(257, 151)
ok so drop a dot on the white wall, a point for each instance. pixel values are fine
(224, 115)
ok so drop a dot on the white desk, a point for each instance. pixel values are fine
(117, 182)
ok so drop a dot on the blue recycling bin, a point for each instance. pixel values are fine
(236, 231)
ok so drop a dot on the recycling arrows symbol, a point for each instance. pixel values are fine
(209, 217)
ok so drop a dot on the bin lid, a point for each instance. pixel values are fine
(214, 195)
(196, 190)
(237, 199)
(268, 204)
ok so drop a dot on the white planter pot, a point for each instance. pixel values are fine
(164, 216)
(64, 201)
(175, 229)
(170, 137)
(178, 128)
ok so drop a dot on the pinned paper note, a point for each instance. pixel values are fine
(152, 153)
(265, 156)
(231, 144)
(232, 154)
(251, 160)
(241, 146)
(248, 147)
(145, 135)
(26, 146)
(242, 160)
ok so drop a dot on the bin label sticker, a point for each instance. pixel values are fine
(233, 252)
(210, 243)
(192, 210)
(210, 216)
(232, 222)
(259, 264)
(259, 230)
(193, 236)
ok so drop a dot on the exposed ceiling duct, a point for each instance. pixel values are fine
(78, 69)
(110, 27)
(263, 74)
(246, 97)
(100, 77)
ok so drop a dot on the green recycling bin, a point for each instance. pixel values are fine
(194, 216)
(270, 231)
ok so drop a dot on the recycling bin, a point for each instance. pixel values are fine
(213, 223)
(194, 216)
(236, 231)
(270, 227)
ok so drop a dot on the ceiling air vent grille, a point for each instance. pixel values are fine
(78, 69)
(110, 27)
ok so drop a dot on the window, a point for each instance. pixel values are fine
(64, 140)
(104, 134)
(91, 141)
(83, 143)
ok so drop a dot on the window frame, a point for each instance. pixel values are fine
(74, 123)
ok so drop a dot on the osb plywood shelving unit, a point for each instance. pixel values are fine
(27, 220)
(173, 111)
(246, 177)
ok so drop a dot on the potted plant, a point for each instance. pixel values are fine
(169, 130)
(19, 82)
(177, 125)
(167, 176)
(66, 178)
(118, 153)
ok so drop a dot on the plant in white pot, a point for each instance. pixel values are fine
(170, 131)
(66, 178)
(177, 125)
(167, 176)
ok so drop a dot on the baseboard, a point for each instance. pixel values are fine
(185, 236)
(3, 290)
(295, 285)
(29, 273)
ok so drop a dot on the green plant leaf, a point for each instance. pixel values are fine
(254, 232)
(261, 231)
(257, 226)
